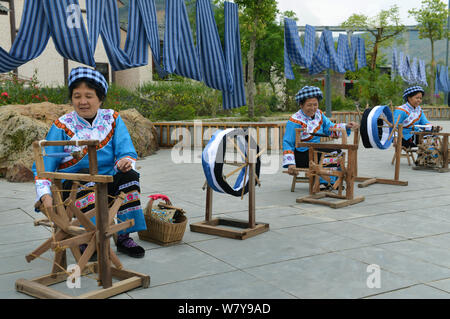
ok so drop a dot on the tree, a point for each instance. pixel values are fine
(383, 27)
(257, 14)
(431, 19)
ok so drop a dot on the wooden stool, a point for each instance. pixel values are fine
(298, 179)
(408, 153)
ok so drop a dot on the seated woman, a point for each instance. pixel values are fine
(313, 121)
(410, 114)
(116, 154)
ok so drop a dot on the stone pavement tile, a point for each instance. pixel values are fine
(404, 224)
(414, 292)
(436, 212)
(24, 232)
(18, 263)
(14, 216)
(281, 217)
(191, 237)
(317, 237)
(175, 263)
(229, 285)
(262, 249)
(20, 248)
(405, 266)
(441, 241)
(362, 234)
(324, 276)
(441, 284)
(424, 252)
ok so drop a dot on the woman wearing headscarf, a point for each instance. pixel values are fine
(410, 115)
(116, 154)
(315, 124)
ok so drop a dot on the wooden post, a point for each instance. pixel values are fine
(208, 212)
(93, 167)
(251, 189)
(398, 151)
(102, 221)
(445, 151)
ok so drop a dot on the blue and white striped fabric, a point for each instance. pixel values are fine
(414, 71)
(422, 75)
(359, 49)
(215, 72)
(372, 135)
(40, 19)
(343, 52)
(236, 97)
(135, 52)
(325, 56)
(180, 54)
(293, 50)
(441, 82)
(148, 13)
(67, 29)
(83, 72)
(394, 65)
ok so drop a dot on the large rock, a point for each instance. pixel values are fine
(21, 125)
(142, 132)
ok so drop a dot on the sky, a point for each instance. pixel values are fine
(334, 12)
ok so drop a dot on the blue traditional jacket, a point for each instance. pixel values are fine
(107, 127)
(409, 116)
(319, 124)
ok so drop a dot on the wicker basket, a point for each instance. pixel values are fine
(161, 232)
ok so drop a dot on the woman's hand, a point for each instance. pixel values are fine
(352, 125)
(292, 170)
(124, 165)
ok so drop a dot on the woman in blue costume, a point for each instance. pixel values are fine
(116, 154)
(411, 114)
(313, 121)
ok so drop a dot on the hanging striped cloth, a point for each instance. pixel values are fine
(359, 49)
(220, 70)
(325, 56)
(215, 72)
(235, 98)
(180, 55)
(293, 50)
(422, 75)
(40, 19)
(343, 52)
(135, 52)
(441, 81)
(414, 71)
(68, 32)
(394, 65)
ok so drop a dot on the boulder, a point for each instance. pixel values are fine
(21, 125)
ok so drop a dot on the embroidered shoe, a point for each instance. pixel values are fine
(127, 245)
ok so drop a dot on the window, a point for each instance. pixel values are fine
(103, 68)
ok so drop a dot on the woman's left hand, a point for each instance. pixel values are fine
(352, 125)
(124, 165)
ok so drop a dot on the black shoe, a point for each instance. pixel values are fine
(130, 248)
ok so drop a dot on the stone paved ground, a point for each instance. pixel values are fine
(310, 251)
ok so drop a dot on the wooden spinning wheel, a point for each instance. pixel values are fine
(432, 153)
(346, 174)
(71, 228)
(248, 168)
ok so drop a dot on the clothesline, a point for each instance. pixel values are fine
(325, 56)
(219, 68)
